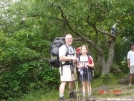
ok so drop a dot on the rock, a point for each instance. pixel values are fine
(123, 81)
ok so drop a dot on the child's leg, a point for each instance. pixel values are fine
(83, 88)
(88, 88)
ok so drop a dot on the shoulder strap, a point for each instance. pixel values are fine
(67, 50)
(89, 59)
(78, 55)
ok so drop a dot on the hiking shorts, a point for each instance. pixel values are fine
(65, 74)
(132, 69)
(85, 77)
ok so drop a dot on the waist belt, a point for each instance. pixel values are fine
(67, 63)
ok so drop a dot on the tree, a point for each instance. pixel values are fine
(92, 21)
(88, 18)
(30, 26)
(23, 50)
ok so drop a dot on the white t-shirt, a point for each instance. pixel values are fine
(130, 56)
(63, 50)
(84, 59)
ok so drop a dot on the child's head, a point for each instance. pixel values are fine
(84, 49)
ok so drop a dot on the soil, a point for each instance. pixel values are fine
(111, 93)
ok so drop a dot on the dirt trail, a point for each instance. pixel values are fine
(127, 94)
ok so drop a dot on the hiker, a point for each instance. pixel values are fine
(67, 68)
(130, 62)
(84, 65)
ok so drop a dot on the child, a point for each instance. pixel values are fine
(85, 64)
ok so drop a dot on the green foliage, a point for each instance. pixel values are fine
(28, 27)
(97, 70)
(23, 68)
(106, 78)
(124, 67)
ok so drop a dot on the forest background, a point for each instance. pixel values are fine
(28, 27)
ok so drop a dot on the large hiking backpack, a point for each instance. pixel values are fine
(54, 52)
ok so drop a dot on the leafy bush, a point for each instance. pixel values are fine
(23, 69)
(106, 78)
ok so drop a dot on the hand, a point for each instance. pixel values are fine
(128, 66)
(81, 66)
(74, 61)
(87, 64)
(73, 58)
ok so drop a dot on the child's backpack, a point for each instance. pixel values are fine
(54, 52)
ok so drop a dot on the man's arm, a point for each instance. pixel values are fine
(62, 52)
(65, 58)
(128, 62)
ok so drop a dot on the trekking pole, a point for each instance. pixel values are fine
(93, 72)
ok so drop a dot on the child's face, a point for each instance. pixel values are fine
(84, 50)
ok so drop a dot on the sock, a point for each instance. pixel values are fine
(61, 95)
(89, 94)
(83, 94)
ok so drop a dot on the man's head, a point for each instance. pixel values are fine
(132, 46)
(68, 39)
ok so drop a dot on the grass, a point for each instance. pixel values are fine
(53, 95)
(96, 82)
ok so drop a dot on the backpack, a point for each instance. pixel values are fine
(54, 52)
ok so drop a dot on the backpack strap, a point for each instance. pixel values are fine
(68, 62)
(67, 53)
(61, 62)
(90, 61)
(67, 50)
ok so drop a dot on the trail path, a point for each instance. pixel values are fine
(127, 94)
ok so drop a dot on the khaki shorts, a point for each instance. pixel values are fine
(131, 69)
(66, 74)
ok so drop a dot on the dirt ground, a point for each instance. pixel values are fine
(110, 93)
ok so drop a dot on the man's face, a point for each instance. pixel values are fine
(132, 47)
(69, 39)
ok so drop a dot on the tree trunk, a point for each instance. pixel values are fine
(106, 66)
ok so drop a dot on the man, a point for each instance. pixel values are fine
(66, 70)
(130, 62)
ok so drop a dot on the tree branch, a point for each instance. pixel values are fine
(74, 31)
(89, 23)
(106, 33)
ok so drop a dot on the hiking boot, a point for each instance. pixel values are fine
(130, 84)
(84, 99)
(72, 95)
(61, 99)
(91, 99)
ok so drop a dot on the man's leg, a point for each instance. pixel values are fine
(71, 86)
(131, 77)
(61, 89)
(71, 89)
